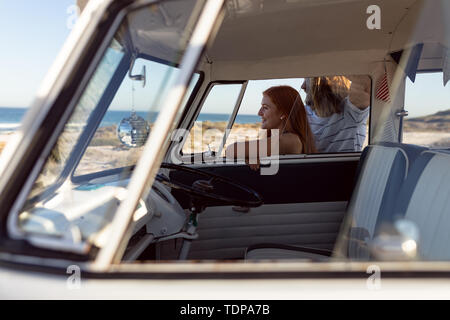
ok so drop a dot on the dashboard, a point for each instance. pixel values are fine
(82, 213)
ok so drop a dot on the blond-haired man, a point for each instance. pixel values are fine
(338, 108)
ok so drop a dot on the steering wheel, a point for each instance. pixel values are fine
(204, 190)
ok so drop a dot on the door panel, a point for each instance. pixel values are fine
(304, 204)
(225, 233)
(325, 181)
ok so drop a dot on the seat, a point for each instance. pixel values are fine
(279, 251)
(425, 200)
(381, 172)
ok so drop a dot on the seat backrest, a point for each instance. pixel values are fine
(382, 171)
(425, 200)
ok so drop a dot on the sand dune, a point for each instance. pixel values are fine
(438, 122)
(431, 139)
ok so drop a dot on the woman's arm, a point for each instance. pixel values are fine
(249, 149)
(254, 149)
(360, 91)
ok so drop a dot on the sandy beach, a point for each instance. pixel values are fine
(208, 133)
(106, 152)
(4, 139)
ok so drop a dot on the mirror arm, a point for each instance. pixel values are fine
(137, 77)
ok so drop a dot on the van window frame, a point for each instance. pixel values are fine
(283, 158)
(402, 118)
(120, 170)
(199, 108)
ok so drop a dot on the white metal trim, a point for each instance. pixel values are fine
(233, 116)
(151, 157)
(12, 227)
(283, 159)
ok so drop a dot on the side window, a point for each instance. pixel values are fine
(208, 130)
(338, 118)
(131, 101)
(336, 110)
(427, 101)
(247, 124)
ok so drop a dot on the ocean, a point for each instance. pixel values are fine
(10, 118)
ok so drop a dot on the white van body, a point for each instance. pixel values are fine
(224, 42)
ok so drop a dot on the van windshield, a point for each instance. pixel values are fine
(109, 125)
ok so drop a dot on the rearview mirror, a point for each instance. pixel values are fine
(137, 77)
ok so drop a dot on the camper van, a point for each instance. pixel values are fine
(246, 149)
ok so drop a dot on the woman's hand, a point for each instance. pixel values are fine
(360, 91)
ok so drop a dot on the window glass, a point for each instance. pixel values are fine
(427, 101)
(77, 123)
(247, 125)
(339, 122)
(105, 150)
(78, 212)
(206, 135)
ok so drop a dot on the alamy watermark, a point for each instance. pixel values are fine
(373, 282)
(374, 20)
(74, 279)
(262, 152)
(74, 12)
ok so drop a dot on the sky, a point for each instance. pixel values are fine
(251, 101)
(427, 95)
(33, 32)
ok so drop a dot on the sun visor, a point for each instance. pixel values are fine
(446, 66)
(408, 60)
(162, 33)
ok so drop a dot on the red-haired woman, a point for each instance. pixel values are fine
(281, 109)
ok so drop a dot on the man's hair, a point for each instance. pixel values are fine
(290, 104)
(326, 94)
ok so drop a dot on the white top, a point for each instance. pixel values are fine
(341, 132)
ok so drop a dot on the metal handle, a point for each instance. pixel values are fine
(401, 114)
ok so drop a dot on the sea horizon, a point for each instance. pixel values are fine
(11, 117)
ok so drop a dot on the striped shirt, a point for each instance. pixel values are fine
(341, 132)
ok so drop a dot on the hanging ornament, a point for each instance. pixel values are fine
(134, 130)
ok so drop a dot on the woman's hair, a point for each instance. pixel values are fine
(327, 94)
(290, 104)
